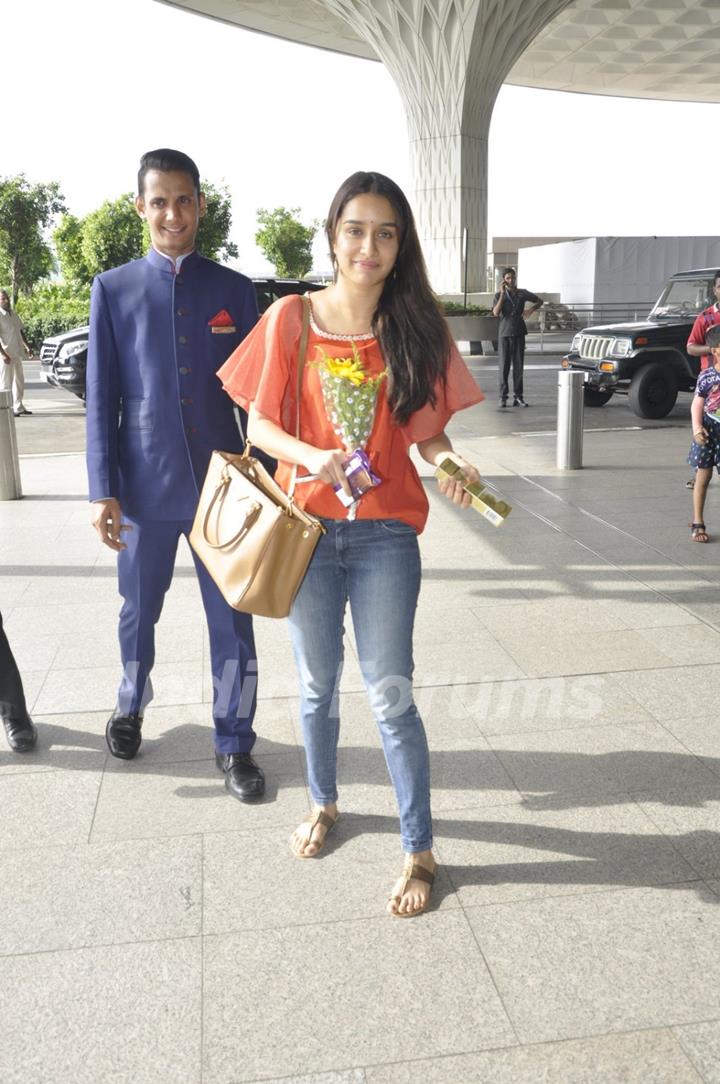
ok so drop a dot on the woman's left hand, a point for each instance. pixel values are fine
(454, 491)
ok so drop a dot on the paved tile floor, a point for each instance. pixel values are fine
(156, 932)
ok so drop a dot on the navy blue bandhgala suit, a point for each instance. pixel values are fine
(155, 412)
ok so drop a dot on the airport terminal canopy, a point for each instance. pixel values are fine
(450, 57)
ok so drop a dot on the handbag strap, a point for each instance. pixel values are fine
(302, 351)
(218, 498)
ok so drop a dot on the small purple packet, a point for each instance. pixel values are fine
(359, 475)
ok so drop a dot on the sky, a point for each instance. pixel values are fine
(91, 84)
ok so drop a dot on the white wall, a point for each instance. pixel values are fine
(566, 268)
(602, 269)
(640, 266)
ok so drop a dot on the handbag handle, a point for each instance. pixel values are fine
(302, 351)
(218, 497)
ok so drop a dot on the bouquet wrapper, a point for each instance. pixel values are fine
(486, 503)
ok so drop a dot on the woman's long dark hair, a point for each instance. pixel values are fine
(408, 322)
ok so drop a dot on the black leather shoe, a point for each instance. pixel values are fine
(243, 778)
(123, 734)
(502, 404)
(517, 401)
(21, 734)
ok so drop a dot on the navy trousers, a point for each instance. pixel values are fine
(12, 696)
(511, 349)
(145, 571)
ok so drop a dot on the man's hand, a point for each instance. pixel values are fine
(106, 519)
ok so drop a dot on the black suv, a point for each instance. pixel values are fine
(645, 360)
(63, 358)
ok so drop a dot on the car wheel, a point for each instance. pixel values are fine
(653, 391)
(596, 397)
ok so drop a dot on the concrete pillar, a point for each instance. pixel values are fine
(10, 483)
(449, 59)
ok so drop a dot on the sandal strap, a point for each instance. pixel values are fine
(422, 874)
(697, 526)
(320, 817)
(415, 872)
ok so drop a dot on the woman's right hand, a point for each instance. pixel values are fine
(327, 465)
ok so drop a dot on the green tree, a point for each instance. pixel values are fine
(68, 239)
(111, 235)
(37, 264)
(26, 214)
(53, 307)
(212, 238)
(106, 237)
(284, 240)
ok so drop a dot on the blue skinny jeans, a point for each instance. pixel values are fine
(375, 566)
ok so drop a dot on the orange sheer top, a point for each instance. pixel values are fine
(263, 371)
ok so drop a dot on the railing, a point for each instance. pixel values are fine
(557, 323)
(554, 316)
(551, 331)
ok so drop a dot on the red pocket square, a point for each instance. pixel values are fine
(221, 319)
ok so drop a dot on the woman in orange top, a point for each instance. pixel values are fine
(381, 373)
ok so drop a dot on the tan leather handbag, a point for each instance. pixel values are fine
(252, 538)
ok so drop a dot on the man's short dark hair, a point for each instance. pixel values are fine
(716, 276)
(167, 160)
(508, 271)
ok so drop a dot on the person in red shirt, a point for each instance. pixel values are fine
(381, 373)
(696, 344)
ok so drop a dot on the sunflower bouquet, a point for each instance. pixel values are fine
(350, 397)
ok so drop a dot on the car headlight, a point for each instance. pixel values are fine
(620, 348)
(69, 350)
(575, 344)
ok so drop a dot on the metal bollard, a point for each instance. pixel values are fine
(10, 485)
(571, 406)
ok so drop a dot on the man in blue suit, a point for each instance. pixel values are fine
(160, 328)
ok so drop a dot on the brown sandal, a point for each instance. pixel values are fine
(318, 817)
(698, 533)
(413, 871)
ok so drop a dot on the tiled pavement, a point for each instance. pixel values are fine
(154, 931)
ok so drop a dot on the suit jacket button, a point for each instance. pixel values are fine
(186, 402)
(182, 340)
(179, 280)
(184, 370)
(182, 312)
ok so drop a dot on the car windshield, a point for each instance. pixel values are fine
(687, 297)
